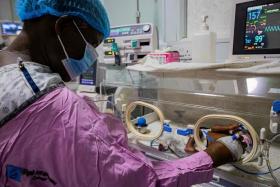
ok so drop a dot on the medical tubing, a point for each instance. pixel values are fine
(254, 173)
(131, 127)
(268, 164)
(253, 133)
(274, 138)
(107, 101)
(271, 171)
(269, 142)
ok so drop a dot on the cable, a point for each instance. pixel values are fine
(272, 172)
(268, 164)
(152, 143)
(268, 161)
(107, 101)
(138, 14)
(255, 173)
(274, 138)
(168, 148)
(173, 152)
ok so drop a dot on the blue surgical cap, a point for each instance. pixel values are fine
(91, 11)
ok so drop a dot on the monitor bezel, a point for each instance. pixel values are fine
(239, 25)
(9, 22)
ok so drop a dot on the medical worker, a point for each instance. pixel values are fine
(49, 136)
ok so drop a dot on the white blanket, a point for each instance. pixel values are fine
(149, 66)
(267, 68)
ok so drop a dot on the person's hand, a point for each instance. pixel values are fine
(220, 154)
(217, 131)
(224, 149)
(220, 151)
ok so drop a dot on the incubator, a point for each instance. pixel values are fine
(185, 101)
(175, 106)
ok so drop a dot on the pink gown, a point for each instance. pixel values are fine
(61, 140)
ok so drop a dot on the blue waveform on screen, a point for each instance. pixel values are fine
(272, 28)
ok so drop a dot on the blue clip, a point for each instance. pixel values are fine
(210, 139)
(276, 106)
(141, 122)
(167, 128)
(235, 137)
(242, 128)
(185, 132)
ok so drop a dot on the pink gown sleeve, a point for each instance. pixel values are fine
(184, 172)
(191, 170)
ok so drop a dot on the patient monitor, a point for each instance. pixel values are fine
(256, 31)
(132, 42)
(10, 30)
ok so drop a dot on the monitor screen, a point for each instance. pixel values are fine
(11, 28)
(263, 27)
(89, 78)
(257, 28)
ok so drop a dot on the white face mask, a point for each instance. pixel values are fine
(76, 67)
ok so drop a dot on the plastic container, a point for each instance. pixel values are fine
(204, 44)
(166, 58)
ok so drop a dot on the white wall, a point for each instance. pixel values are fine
(168, 15)
(123, 12)
(175, 20)
(7, 10)
(219, 12)
(171, 16)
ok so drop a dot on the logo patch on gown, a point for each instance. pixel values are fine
(16, 173)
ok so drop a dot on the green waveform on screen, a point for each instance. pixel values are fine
(275, 28)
